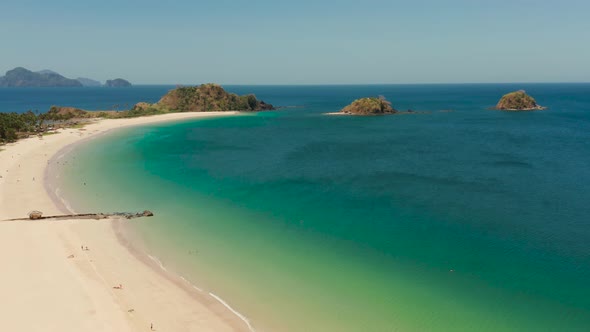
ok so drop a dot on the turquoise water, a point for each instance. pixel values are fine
(465, 220)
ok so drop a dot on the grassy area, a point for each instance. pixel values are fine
(78, 125)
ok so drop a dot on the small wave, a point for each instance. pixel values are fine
(158, 262)
(188, 282)
(220, 300)
(237, 313)
(65, 203)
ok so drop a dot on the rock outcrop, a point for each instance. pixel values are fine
(117, 83)
(21, 77)
(369, 106)
(518, 101)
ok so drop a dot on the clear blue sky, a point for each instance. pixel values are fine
(300, 41)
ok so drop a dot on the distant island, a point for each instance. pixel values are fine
(22, 77)
(117, 83)
(518, 101)
(369, 106)
(88, 82)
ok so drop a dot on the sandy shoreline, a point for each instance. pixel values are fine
(45, 288)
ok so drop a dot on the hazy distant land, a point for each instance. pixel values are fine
(22, 77)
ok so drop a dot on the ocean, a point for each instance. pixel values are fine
(454, 218)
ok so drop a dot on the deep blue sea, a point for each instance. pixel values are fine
(457, 218)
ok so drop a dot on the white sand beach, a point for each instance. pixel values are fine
(44, 288)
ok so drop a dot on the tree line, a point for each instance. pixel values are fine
(14, 125)
(18, 125)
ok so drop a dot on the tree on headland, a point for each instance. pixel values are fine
(12, 124)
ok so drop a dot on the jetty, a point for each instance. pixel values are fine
(38, 215)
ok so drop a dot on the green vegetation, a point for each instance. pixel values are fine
(62, 114)
(77, 125)
(136, 112)
(517, 101)
(369, 106)
(57, 113)
(204, 98)
(15, 125)
(208, 98)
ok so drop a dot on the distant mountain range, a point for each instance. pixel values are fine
(22, 77)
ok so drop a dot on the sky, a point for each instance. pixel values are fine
(300, 41)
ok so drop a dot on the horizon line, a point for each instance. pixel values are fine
(357, 84)
(311, 84)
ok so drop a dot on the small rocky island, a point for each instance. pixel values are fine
(117, 83)
(369, 106)
(205, 98)
(518, 101)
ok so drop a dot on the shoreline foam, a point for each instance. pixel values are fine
(156, 295)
